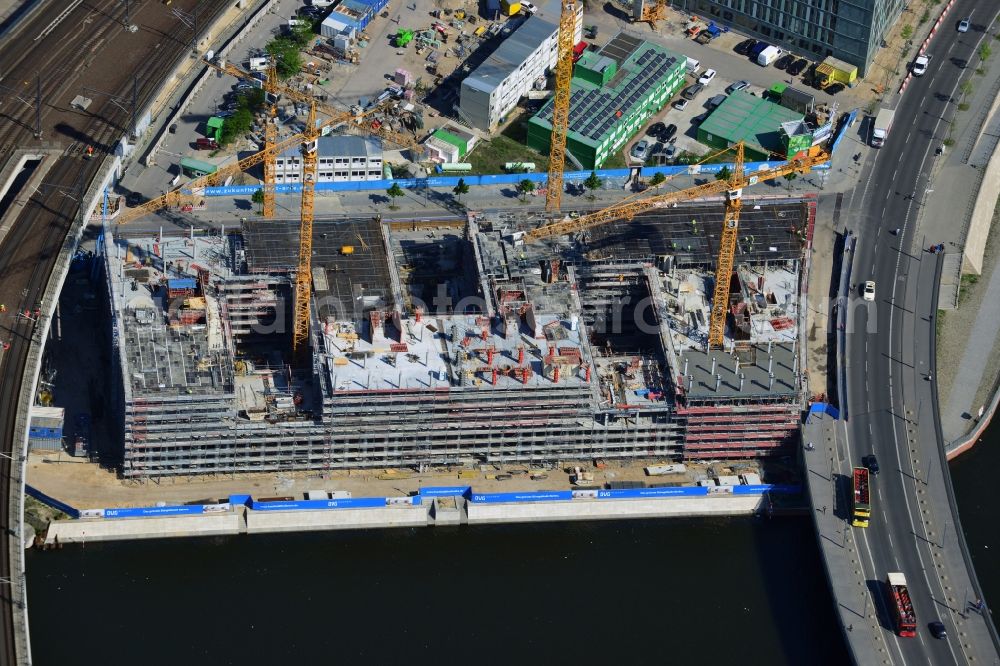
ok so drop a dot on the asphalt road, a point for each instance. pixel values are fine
(890, 400)
(85, 52)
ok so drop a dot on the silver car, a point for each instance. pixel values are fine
(639, 150)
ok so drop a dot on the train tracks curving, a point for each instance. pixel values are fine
(86, 52)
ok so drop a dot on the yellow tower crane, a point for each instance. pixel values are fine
(731, 188)
(303, 275)
(560, 105)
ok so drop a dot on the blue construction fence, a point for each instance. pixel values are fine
(51, 501)
(472, 180)
(414, 500)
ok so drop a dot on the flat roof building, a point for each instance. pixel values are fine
(341, 158)
(614, 92)
(750, 119)
(851, 31)
(492, 91)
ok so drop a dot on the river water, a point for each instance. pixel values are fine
(629, 592)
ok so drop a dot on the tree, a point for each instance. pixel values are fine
(285, 51)
(907, 31)
(657, 179)
(393, 192)
(525, 187)
(592, 183)
(789, 177)
(985, 51)
(236, 126)
(723, 174)
(460, 188)
(258, 198)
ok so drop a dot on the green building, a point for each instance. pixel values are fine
(614, 92)
(756, 122)
(214, 128)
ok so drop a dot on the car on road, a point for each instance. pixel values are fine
(920, 65)
(963, 25)
(835, 88)
(743, 48)
(796, 67)
(640, 150)
(692, 91)
(668, 132)
(784, 61)
(871, 462)
(937, 629)
(681, 104)
(737, 85)
(869, 293)
(707, 77)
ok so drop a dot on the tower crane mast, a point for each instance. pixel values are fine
(560, 105)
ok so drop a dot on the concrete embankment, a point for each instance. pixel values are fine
(239, 519)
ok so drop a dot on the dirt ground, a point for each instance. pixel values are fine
(85, 485)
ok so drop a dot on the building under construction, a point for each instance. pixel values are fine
(444, 343)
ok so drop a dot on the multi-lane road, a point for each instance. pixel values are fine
(890, 391)
(62, 50)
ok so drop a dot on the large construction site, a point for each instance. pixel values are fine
(458, 343)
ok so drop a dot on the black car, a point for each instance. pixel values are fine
(871, 462)
(784, 61)
(810, 75)
(668, 133)
(937, 629)
(743, 48)
(835, 88)
(657, 129)
(796, 67)
(657, 148)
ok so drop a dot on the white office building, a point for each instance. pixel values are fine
(341, 159)
(492, 91)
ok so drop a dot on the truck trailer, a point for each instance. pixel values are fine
(901, 605)
(881, 127)
(861, 509)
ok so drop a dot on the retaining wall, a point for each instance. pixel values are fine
(81, 531)
(729, 505)
(299, 521)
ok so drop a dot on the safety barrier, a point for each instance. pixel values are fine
(445, 491)
(51, 501)
(156, 511)
(316, 505)
(486, 180)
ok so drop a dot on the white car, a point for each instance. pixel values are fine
(920, 65)
(870, 290)
(705, 78)
(681, 104)
(528, 8)
(963, 25)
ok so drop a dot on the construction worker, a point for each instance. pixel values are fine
(3, 307)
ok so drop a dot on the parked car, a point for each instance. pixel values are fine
(243, 85)
(963, 25)
(707, 77)
(784, 61)
(757, 48)
(835, 88)
(796, 67)
(668, 133)
(692, 91)
(640, 150)
(743, 48)
(716, 101)
(671, 151)
(657, 129)
(173, 128)
(681, 104)
(657, 147)
(528, 8)
(697, 120)
(737, 85)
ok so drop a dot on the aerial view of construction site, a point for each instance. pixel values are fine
(316, 283)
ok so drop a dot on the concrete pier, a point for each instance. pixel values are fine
(442, 511)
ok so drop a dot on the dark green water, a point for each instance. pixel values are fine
(633, 592)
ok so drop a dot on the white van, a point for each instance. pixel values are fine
(693, 66)
(769, 55)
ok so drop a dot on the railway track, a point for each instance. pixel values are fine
(87, 48)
